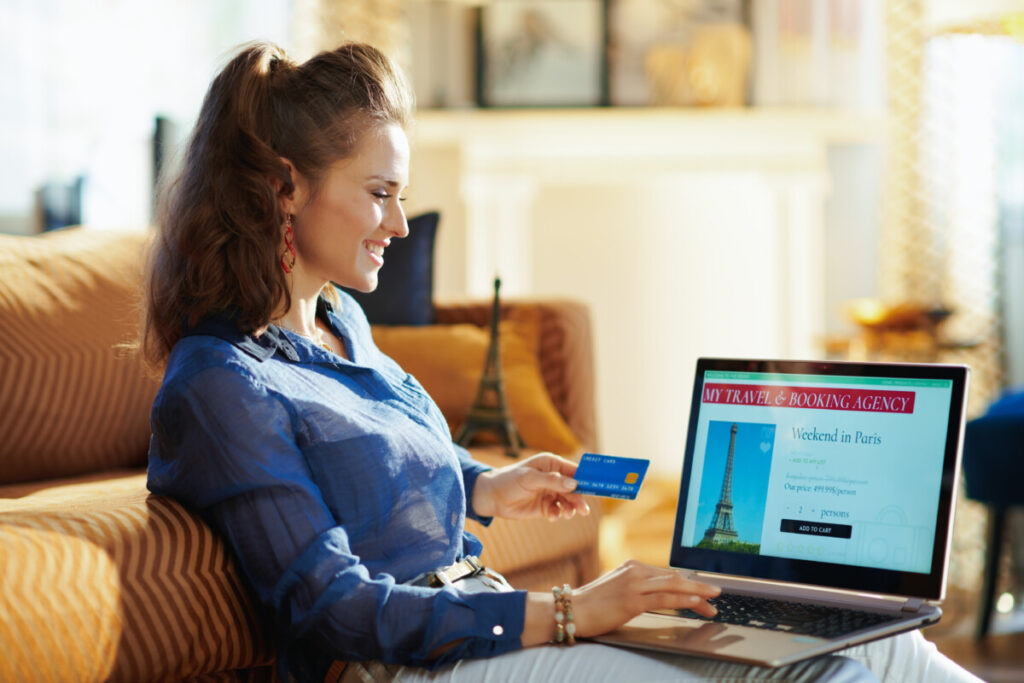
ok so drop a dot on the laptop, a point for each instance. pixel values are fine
(819, 496)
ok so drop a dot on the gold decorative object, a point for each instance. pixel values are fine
(711, 69)
(901, 331)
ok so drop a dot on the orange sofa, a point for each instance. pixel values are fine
(102, 580)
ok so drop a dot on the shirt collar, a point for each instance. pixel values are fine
(224, 326)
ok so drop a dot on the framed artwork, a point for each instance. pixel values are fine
(542, 53)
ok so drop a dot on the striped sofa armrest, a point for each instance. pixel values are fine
(73, 402)
(103, 581)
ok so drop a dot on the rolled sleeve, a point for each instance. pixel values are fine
(396, 622)
(471, 469)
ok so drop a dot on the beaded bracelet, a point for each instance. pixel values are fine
(565, 627)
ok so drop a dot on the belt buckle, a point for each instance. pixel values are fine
(467, 567)
(474, 565)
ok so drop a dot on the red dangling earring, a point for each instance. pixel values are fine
(289, 242)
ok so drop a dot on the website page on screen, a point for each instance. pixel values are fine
(814, 467)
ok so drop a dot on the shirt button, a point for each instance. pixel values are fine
(497, 630)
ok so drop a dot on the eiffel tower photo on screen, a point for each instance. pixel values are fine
(737, 462)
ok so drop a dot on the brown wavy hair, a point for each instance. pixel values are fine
(219, 222)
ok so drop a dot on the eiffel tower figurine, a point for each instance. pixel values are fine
(489, 411)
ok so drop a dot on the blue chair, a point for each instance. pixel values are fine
(994, 474)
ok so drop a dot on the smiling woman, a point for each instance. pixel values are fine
(326, 467)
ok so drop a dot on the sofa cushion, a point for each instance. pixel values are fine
(564, 353)
(71, 401)
(405, 284)
(103, 581)
(448, 360)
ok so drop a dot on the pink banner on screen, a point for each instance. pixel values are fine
(775, 396)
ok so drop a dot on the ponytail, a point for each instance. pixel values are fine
(220, 220)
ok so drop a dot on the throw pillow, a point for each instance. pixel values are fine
(405, 287)
(448, 361)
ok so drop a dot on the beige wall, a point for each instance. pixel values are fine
(686, 233)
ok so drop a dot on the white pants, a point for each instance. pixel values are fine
(906, 658)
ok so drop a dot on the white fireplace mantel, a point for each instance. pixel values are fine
(688, 232)
(506, 156)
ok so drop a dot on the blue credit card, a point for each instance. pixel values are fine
(608, 475)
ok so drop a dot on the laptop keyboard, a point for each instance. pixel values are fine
(793, 617)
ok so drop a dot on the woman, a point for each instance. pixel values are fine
(327, 469)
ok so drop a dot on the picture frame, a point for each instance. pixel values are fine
(542, 53)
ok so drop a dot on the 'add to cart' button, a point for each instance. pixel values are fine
(796, 526)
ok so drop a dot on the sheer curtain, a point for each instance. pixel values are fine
(971, 164)
(953, 162)
(954, 204)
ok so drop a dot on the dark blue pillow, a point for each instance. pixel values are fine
(1010, 403)
(405, 284)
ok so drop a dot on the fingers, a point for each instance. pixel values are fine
(671, 589)
(549, 462)
(560, 482)
(546, 472)
(655, 601)
(576, 503)
(567, 507)
(675, 582)
(561, 487)
(552, 510)
(704, 608)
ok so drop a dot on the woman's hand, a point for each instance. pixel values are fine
(540, 486)
(634, 588)
(613, 599)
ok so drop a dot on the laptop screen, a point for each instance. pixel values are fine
(835, 474)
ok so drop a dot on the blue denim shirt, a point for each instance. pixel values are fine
(334, 482)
